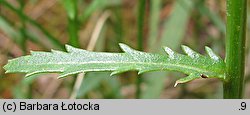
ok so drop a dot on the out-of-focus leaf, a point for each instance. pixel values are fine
(23, 90)
(175, 27)
(71, 9)
(70, 6)
(115, 87)
(7, 28)
(97, 5)
(213, 16)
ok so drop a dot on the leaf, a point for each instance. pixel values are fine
(77, 60)
(96, 5)
(6, 27)
(71, 7)
(213, 16)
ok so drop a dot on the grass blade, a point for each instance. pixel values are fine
(71, 9)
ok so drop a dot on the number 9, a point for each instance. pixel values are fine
(243, 106)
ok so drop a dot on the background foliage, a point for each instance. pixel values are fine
(100, 25)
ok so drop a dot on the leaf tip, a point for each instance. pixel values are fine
(117, 72)
(125, 48)
(28, 75)
(140, 72)
(191, 53)
(7, 71)
(211, 54)
(70, 48)
(5, 67)
(113, 73)
(61, 77)
(170, 52)
(32, 52)
(176, 83)
(69, 72)
(53, 51)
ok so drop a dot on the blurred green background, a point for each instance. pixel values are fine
(99, 25)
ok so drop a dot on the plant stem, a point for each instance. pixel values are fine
(140, 23)
(235, 49)
(140, 26)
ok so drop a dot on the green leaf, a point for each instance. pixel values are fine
(77, 60)
(73, 25)
(96, 5)
(6, 27)
(213, 16)
(71, 7)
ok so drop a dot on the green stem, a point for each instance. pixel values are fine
(119, 25)
(235, 49)
(140, 26)
(140, 23)
(73, 32)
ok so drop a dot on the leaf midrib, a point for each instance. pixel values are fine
(199, 70)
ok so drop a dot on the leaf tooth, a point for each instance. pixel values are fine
(116, 72)
(69, 48)
(121, 70)
(72, 49)
(170, 52)
(126, 48)
(32, 52)
(189, 78)
(56, 51)
(212, 54)
(143, 70)
(38, 53)
(65, 74)
(7, 67)
(191, 53)
(7, 71)
(42, 71)
(31, 73)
